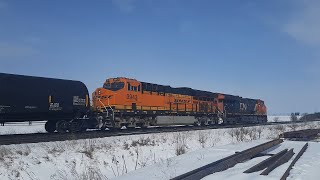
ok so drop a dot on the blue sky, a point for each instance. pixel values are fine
(259, 49)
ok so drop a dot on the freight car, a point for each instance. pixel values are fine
(131, 103)
(59, 102)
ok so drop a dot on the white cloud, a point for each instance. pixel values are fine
(125, 6)
(10, 50)
(305, 24)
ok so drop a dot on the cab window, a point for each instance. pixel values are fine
(115, 86)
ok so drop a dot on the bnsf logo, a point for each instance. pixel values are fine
(132, 97)
(181, 101)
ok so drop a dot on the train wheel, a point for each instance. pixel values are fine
(197, 123)
(74, 127)
(62, 126)
(50, 126)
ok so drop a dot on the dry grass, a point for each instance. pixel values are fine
(88, 173)
(89, 147)
(143, 142)
(202, 138)
(180, 144)
(24, 151)
(5, 153)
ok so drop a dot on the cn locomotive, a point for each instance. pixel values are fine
(65, 104)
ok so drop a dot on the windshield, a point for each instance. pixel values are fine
(115, 86)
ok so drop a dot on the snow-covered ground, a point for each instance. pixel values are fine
(308, 166)
(236, 173)
(184, 163)
(280, 118)
(22, 128)
(111, 157)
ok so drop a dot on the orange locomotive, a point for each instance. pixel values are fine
(128, 102)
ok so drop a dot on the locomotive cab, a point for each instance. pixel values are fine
(117, 93)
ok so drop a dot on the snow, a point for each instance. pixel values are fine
(308, 166)
(105, 157)
(22, 128)
(111, 157)
(280, 118)
(182, 164)
(236, 173)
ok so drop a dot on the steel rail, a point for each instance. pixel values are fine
(228, 162)
(286, 174)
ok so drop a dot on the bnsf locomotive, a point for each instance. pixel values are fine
(133, 103)
(65, 104)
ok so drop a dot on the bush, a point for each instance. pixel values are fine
(91, 173)
(293, 126)
(280, 128)
(181, 144)
(241, 133)
(24, 151)
(252, 132)
(259, 131)
(143, 142)
(231, 132)
(202, 138)
(56, 148)
(88, 148)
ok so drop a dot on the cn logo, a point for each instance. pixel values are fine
(243, 106)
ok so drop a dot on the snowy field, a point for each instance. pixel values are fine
(111, 157)
(280, 118)
(306, 168)
(38, 127)
(22, 128)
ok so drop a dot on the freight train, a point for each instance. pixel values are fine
(65, 104)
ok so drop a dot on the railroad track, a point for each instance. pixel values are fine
(301, 135)
(46, 137)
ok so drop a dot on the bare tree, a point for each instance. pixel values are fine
(293, 126)
(259, 131)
